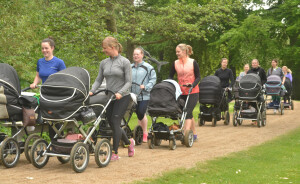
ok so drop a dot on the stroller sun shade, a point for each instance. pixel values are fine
(249, 87)
(210, 90)
(64, 93)
(273, 85)
(10, 91)
(163, 100)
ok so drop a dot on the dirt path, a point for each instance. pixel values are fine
(213, 142)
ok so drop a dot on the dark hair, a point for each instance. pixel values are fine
(50, 41)
(272, 66)
(224, 59)
(113, 42)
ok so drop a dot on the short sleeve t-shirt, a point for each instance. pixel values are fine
(46, 68)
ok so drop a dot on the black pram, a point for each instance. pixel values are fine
(213, 101)
(163, 103)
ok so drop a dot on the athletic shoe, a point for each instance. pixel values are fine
(131, 148)
(114, 157)
(145, 137)
(195, 138)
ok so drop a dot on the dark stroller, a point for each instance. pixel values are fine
(64, 101)
(163, 103)
(213, 101)
(251, 92)
(12, 104)
(288, 102)
(273, 88)
(97, 102)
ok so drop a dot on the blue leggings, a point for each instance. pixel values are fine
(141, 108)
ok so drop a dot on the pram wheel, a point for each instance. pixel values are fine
(264, 118)
(234, 119)
(189, 138)
(259, 120)
(172, 144)
(37, 158)
(10, 152)
(292, 105)
(214, 121)
(138, 135)
(79, 157)
(227, 118)
(281, 107)
(151, 143)
(201, 121)
(28, 145)
(157, 141)
(63, 160)
(103, 153)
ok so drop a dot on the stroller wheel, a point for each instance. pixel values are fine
(157, 141)
(10, 152)
(151, 143)
(281, 106)
(227, 118)
(263, 118)
(63, 160)
(214, 121)
(234, 119)
(28, 145)
(259, 120)
(201, 121)
(189, 138)
(37, 158)
(172, 144)
(138, 135)
(79, 157)
(292, 105)
(103, 153)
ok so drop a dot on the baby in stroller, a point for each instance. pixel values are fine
(213, 101)
(164, 103)
(14, 108)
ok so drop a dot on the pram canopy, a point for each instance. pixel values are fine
(10, 91)
(249, 87)
(210, 90)
(273, 85)
(288, 86)
(64, 93)
(163, 100)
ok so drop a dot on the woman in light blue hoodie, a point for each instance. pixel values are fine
(143, 80)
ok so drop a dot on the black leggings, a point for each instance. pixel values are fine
(193, 99)
(115, 113)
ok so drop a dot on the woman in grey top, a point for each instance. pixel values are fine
(275, 70)
(117, 72)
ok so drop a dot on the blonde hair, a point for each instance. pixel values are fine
(140, 49)
(287, 69)
(247, 65)
(187, 48)
(113, 42)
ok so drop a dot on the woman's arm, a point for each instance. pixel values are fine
(36, 81)
(152, 80)
(172, 71)
(128, 77)
(196, 73)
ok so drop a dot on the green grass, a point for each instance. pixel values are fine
(276, 161)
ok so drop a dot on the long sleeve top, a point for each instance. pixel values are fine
(261, 73)
(117, 73)
(225, 76)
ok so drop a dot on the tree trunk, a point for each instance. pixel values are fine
(110, 19)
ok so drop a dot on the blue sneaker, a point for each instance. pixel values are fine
(195, 138)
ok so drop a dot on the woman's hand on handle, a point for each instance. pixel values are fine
(91, 93)
(33, 86)
(142, 86)
(118, 96)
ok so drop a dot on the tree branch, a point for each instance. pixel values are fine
(149, 43)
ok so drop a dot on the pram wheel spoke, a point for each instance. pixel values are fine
(259, 120)
(172, 144)
(10, 152)
(28, 145)
(37, 158)
(189, 138)
(234, 119)
(103, 153)
(264, 118)
(79, 157)
(138, 135)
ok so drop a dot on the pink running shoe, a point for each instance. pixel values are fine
(145, 137)
(131, 148)
(114, 157)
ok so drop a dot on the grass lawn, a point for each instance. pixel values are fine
(276, 161)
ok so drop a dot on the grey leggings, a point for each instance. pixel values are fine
(115, 113)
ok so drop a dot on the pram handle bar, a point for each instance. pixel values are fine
(104, 90)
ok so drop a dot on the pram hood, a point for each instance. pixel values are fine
(273, 79)
(250, 78)
(163, 100)
(210, 90)
(9, 76)
(64, 93)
